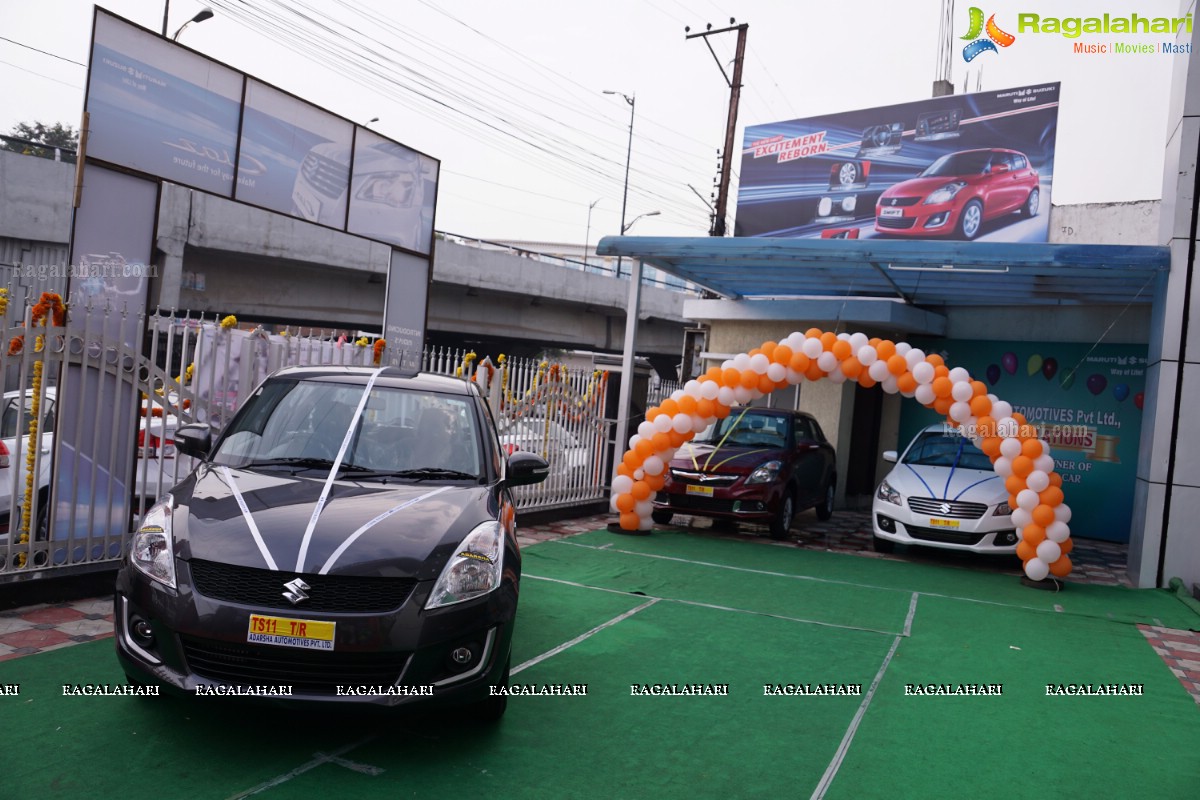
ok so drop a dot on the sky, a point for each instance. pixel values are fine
(510, 96)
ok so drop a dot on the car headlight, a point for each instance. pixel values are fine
(1002, 510)
(945, 193)
(152, 551)
(475, 568)
(766, 473)
(886, 492)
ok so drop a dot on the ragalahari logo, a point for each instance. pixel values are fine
(995, 36)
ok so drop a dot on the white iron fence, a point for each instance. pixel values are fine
(197, 370)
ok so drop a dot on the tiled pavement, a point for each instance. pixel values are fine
(39, 628)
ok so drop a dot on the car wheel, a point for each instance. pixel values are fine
(1030, 208)
(971, 220)
(825, 510)
(491, 709)
(782, 523)
(882, 545)
(661, 517)
(42, 529)
(848, 174)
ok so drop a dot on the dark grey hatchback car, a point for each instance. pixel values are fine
(350, 537)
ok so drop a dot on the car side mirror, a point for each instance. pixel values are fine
(193, 440)
(890, 456)
(526, 468)
(998, 168)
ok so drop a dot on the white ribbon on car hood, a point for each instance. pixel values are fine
(352, 538)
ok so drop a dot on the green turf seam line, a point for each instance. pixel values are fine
(583, 636)
(1108, 618)
(698, 604)
(835, 763)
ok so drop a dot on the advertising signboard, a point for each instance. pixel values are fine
(975, 166)
(392, 193)
(1086, 402)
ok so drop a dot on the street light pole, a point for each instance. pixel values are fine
(203, 14)
(628, 155)
(588, 234)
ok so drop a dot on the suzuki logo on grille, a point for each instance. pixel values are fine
(945, 507)
(295, 591)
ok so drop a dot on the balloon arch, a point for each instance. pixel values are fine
(1017, 452)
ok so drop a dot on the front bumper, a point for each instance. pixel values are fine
(755, 503)
(920, 219)
(987, 534)
(198, 641)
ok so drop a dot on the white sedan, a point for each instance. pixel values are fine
(943, 493)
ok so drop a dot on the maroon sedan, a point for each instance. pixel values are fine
(756, 465)
(958, 193)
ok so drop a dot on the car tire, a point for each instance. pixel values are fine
(661, 517)
(848, 174)
(490, 709)
(970, 220)
(781, 523)
(882, 545)
(1030, 208)
(825, 510)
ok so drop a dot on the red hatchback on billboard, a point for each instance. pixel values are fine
(958, 193)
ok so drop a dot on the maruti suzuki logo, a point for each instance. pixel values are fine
(295, 591)
(995, 36)
(945, 507)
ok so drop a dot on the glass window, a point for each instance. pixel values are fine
(934, 449)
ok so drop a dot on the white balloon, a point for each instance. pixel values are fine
(643, 507)
(889, 385)
(845, 337)
(923, 372)
(925, 394)
(699, 423)
(709, 390)
(727, 364)
(1010, 448)
(633, 441)
(1002, 467)
(959, 374)
(794, 340)
(991, 397)
(776, 372)
(879, 371)
(1028, 499)
(827, 362)
(962, 391)
(1021, 517)
(1005, 426)
(960, 412)
(793, 377)
(1044, 463)
(1001, 409)
(653, 465)
(742, 395)
(726, 396)
(759, 363)
(1062, 512)
(741, 362)
(837, 376)
(1037, 480)
(868, 355)
(914, 356)
(612, 504)
(682, 423)
(662, 423)
(639, 474)
(645, 523)
(646, 429)
(676, 395)
(622, 484)
(970, 427)
(812, 347)
(1058, 531)
(858, 341)
(1036, 569)
(1049, 551)
(902, 348)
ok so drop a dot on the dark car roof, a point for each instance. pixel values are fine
(390, 376)
(772, 412)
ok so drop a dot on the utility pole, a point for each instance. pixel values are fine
(735, 93)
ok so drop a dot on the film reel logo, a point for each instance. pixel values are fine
(995, 36)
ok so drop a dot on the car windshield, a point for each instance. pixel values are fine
(934, 449)
(304, 424)
(972, 162)
(749, 429)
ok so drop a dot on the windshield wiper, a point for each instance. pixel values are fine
(302, 462)
(421, 473)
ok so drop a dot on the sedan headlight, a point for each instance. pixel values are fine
(473, 570)
(766, 473)
(886, 492)
(1002, 510)
(152, 551)
(945, 193)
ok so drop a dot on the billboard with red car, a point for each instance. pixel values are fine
(976, 166)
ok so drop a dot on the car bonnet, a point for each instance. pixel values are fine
(946, 483)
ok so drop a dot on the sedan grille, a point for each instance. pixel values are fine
(306, 671)
(899, 223)
(703, 478)
(946, 509)
(328, 593)
(325, 175)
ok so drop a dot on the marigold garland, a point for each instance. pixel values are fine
(229, 322)
(377, 351)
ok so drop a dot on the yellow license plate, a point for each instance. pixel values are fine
(943, 523)
(707, 491)
(310, 634)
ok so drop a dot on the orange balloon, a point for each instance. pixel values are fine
(644, 449)
(630, 521)
(1020, 418)
(799, 362)
(813, 333)
(991, 446)
(661, 441)
(1055, 479)
(1043, 515)
(906, 383)
(942, 405)
(1027, 432)
(941, 371)
(942, 386)
(765, 384)
(1014, 484)
(886, 349)
(652, 412)
(678, 438)
(979, 388)
(782, 355)
(851, 367)
(897, 365)
(749, 378)
(754, 352)
(935, 359)
(731, 377)
(1061, 568)
(828, 338)
(1034, 534)
(841, 349)
(714, 374)
(986, 426)
(1022, 465)
(640, 490)
(768, 348)
(814, 371)
(1067, 546)
(874, 342)
(1031, 448)
(656, 482)
(625, 502)
(624, 469)
(631, 460)
(865, 380)
(687, 405)
(706, 408)
(1026, 551)
(670, 407)
(722, 410)
(980, 405)
(1051, 496)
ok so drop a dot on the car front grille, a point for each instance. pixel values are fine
(692, 502)
(328, 593)
(897, 223)
(900, 201)
(325, 175)
(946, 509)
(703, 478)
(306, 671)
(948, 536)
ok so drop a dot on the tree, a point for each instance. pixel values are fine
(57, 135)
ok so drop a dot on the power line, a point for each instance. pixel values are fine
(43, 52)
